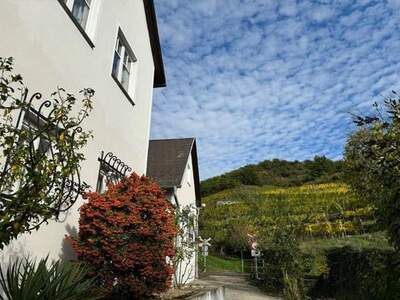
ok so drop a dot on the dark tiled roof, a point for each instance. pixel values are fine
(167, 160)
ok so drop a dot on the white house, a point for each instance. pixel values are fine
(173, 164)
(110, 46)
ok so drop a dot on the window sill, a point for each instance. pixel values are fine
(123, 90)
(80, 28)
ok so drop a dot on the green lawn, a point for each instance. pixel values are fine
(220, 264)
(371, 240)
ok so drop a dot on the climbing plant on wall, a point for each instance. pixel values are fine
(41, 145)
(185, 244)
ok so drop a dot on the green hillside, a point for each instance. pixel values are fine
(277, 173)
(320, 212)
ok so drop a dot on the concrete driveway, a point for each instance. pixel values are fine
(237, 286)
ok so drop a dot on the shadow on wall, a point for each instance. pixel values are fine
(17, 249)
(67, 252)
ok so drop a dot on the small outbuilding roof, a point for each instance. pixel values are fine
(167, 160)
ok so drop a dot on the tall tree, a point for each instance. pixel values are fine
(372, 159)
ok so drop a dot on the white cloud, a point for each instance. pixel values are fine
(257, 79)
(288, 8)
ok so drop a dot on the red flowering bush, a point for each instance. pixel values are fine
(125, 236)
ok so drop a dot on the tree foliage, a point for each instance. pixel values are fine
(372, 157)
(283, 260)
(359, 274)
(37, 162)
(125, 236)
(277, 173)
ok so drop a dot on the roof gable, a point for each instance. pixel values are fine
(167, 160)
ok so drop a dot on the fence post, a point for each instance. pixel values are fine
(241, 258)
(256, 266)
(205, 263)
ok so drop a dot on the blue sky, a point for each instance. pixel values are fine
(256, 80)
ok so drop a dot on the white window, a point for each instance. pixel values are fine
(80, 10)
(33, 123)
(106, 177)
(124, 58)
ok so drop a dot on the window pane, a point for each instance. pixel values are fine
(116, 63)
(125, 78)
(127, 62)
(80, 11)
(101, 183)
(44, 146)
(126, 57)
(118, 47)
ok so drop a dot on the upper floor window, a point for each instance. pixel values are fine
(80, 13)
(80, 10)
(123, 62)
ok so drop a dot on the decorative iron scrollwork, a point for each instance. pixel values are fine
(112, 170)
(114, 163)
(41, 138)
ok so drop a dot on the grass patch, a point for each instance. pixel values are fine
(377, 240)
(220, 264)
(316, 249)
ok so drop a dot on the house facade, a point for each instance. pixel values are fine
(110, 46)
(173, 164)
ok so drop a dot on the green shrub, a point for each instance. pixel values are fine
(28, 280)
(292, 290)
(282, 256)
(360, 274)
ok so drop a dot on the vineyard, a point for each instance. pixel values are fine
(316, 210)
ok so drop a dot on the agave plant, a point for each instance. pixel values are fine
(25, 279)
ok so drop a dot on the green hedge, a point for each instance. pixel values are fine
(277, 262)
(360, 274)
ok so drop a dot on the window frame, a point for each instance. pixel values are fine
(65, 4)
(88, 5)
(106, 176)
(34, 122)
(126, 51)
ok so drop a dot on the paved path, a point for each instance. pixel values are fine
(237, 286)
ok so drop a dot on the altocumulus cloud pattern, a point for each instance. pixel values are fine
(255, 80)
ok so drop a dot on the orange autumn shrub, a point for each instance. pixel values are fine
(125, 236)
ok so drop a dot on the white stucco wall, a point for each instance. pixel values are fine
(49, 51)
(186, 195)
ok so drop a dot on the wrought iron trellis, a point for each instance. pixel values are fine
(62, 193)
(112, 168)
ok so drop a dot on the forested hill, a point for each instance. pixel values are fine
(277, 173)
